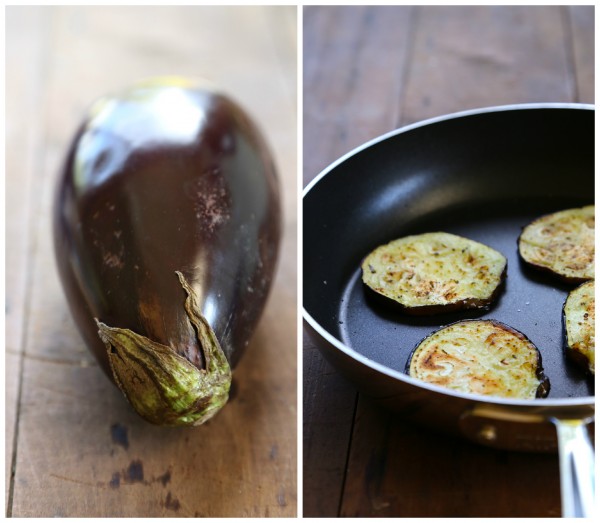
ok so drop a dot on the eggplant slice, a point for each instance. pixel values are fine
(435, 272)
(579, 316)
(481, 357)
(562, 243)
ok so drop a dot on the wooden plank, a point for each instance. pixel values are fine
(581, 25)
(24, 89)
(467, 57)
(12, 378)
(353, 63)
(462, 57)
(280, 27)
(328, 412)
(351, 83)
(25, 51)
(82, 452)
(408, 471)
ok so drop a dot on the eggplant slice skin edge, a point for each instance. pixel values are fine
(579, 313)
(561, 243)
(435, 272)
(480, 357)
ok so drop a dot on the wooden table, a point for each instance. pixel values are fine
(74, 447)
(368, 70)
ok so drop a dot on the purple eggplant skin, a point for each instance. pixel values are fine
(167, 224)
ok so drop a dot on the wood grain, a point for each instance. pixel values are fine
(579, 26)
(24, 87)
(329, 405)
(396, 467)
(80, 450)
(476, 56)
(358, 100)
(450, 59)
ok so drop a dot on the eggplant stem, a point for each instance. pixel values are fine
(163, 386)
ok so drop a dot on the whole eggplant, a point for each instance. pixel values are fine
(167, 225)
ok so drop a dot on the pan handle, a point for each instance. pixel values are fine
(575, 450)
(577, 467)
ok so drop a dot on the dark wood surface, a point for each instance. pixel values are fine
(74, 447)
(368, 70)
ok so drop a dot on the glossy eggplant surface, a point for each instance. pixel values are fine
(167, 224)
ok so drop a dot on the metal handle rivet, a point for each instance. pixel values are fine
(488, 433)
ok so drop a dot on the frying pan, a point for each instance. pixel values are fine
(483, 174)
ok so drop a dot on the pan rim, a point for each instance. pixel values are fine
(378, 367)
(394, 374)
(441, 118)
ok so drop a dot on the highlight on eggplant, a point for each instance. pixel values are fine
(167, 225)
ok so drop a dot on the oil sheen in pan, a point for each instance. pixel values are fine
(530, 302)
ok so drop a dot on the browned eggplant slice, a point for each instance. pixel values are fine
(579, 316)
(481, 357)
(435, 272)
(561, 243)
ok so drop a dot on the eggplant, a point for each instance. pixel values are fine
(167, 224)
(579, 320)
(481, 357)
(434, 273)
(561, 244)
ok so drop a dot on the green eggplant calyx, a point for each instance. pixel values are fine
(162, 386)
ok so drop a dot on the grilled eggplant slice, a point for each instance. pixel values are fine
(561, 243)
(435, 272)
(579, 316)
(481, 357)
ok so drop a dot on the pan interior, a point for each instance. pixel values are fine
(484, 177)
(530, 302)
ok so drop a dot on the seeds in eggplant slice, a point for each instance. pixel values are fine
(579, 315)
(435, 272)
(562, 243)
(481, 357)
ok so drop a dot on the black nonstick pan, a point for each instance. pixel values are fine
(483, 174)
